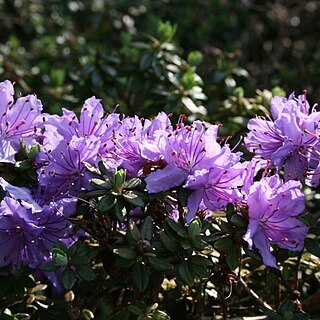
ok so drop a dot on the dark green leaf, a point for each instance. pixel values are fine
(177, 228)
(126, 253)
(140, 276)
(86, 273)
(134, 231)
(49, 266)
(132, 183)
(201, 261)
(160, 264)
(118, 211)
(68, 279)
(134, 197)
(61, 245)
(167, 242)
(224, 244)
(147, 228)
(160, 315)
(312, 246)
(194, 227)
(78, 260)
(101, 184)
(239, 221)
(106, 203)
(233, 257)
(135, 310)
(146, 61)
(185, 273)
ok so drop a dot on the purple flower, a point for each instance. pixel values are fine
(288, 138)
(18, 120)
(19, 232)
(273, 209)
(137, 143)
(215, 187)
(28, 231)
(185, 150)
(63, 171)
(92, 123)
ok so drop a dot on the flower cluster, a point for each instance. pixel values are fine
(289, 138)
(166, 157)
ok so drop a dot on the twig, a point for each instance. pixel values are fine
(254, 295)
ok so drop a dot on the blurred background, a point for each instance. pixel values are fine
(217, 60)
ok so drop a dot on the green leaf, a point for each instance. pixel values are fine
(146, 61)
(86, 273)
(140, 276)
(119, 177)
(194, 227)
(185, 273)
(106, 203)
(239, 221)
(186, 244)
(146, 228)
(126, 253)
(233, 257)
(312, 246)
(124, 263)
(68, 279)
(167, 242)
(134, 197)
(175, 226)
(91, 168)
(198, 271)
(49, 266)
(201, 261)
(22, 165)
(60, 258)
(225, 227)
(134, 231)
(103, 169)
(132, 183)
(101, 184)
(160, 264)
(160, 315)
(230, 211)
(135, 310)
(183, 195)
(195, 58)
(123, 315)
(119, 211)
(61, 245)
(224, 244)
(78, 260)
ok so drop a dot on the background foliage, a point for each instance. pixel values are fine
(220, 61)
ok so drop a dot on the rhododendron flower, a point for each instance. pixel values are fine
(28, 231)
(18, 121)
(19, 232)
(185, 150)
(273, 209)
(63, 171)
(288, 138)
(216, 187)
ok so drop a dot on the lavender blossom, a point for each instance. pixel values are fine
(287, 139)
(18, 121)
(185, 150)
(28, 231)
(63, 171)
(19, 232)
(273, 209)
(138, 143)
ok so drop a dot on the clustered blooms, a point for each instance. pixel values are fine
(165, 156)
